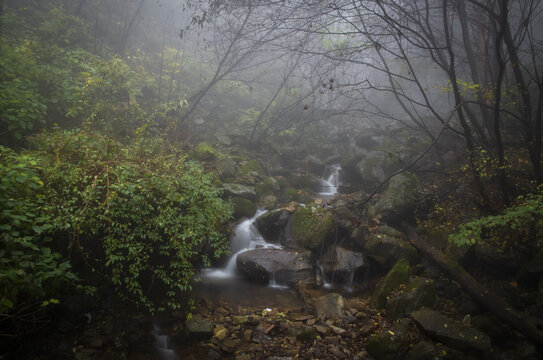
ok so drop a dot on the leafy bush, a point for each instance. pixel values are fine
(30, 271)
(523, 222)
(139, 212)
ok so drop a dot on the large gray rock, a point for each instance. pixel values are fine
(418, 293)
(226, 168)
(238, 190)
(272, 225)
(387, 246)
(281, 265)
(198, 326)
(329, 306)
(340, 263)
(375, 166)
(451, 332)
(398, 201)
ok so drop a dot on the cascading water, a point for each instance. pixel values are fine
(162, 346)
(245, 237)
(330, 181)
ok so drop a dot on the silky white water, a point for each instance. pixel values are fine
(330, 181)
(245, 237)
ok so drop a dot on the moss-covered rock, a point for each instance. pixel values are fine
(243, 208)
(451, 332)
(398, 200)
(267, 187)
(387, 246)
(203, 152)
(247, 167)
(312, 226)
(391, 343)
(304, 181)
(226, 168)
(375, 166)
(238, 190)
(418, 293)
(298, 195)
(398, 275)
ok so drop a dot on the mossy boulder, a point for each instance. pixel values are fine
(239, 190)
(375, 166)
(398, 275)
(387, 246)
(250, 172)
(312, 226)
(199, 326)
(267, 187)
(418, 293)
(304, 181)
(391, 343)
(451, 332)
(203, 152)
(243, 208)
(398, 201)
(303, 196)
(226, 168)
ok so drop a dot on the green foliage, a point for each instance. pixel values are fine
(139, 212)
(29, 268)
(523, 221)
(22, 108)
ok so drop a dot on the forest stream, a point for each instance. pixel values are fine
(271, 180)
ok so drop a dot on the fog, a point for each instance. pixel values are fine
(265, 179)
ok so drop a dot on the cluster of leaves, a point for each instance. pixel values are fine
(522, 222)
(30, 270)
(139, 213)
(47, 78)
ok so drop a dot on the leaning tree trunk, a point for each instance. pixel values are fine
(527, 325)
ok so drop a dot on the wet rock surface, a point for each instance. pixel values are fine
(281, 265)
(451, 332)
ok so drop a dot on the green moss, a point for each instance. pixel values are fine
(398, 275)
(203, 151)
(312, 226)
(243, 207)
(389, 344)
(246, 167)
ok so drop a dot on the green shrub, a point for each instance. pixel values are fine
(139, 212)
(30, 271)
(521, 222)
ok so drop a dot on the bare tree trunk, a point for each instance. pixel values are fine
(458, 101)
(128, 30)
(161, 67)
(497, 133)
(79, 7)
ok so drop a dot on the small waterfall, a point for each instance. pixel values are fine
(330, 180)
(245, 237)
(162, 345)
(326, 283)
(275, 284)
